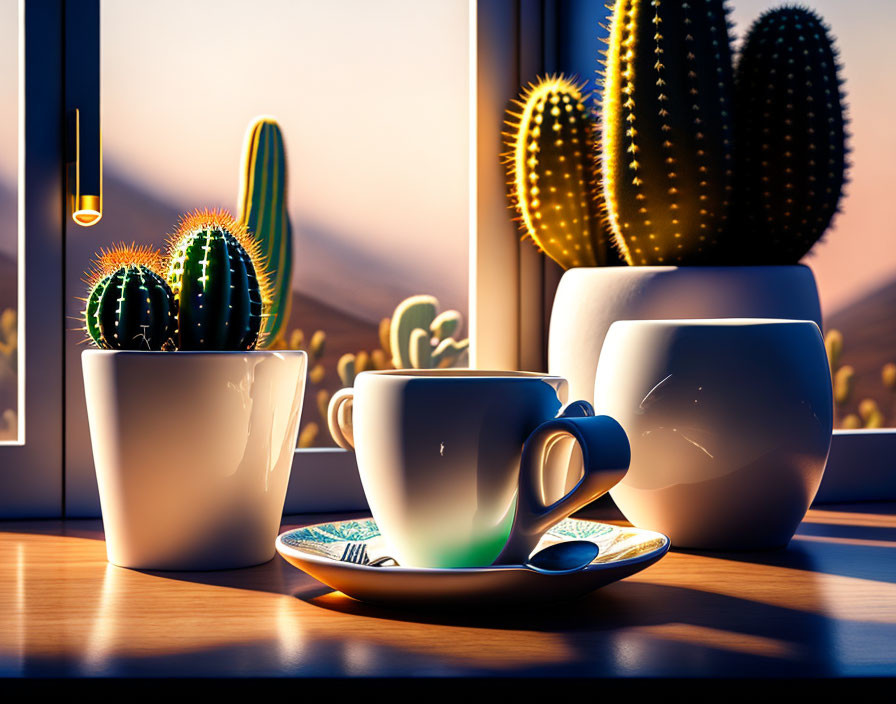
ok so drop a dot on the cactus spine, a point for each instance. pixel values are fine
(791, 135)
(129, 305)
(219, 281)
(263, 213)
(667, 131)
(552, 173)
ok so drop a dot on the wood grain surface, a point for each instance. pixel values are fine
(824, 606)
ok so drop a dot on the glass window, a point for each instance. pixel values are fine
(372, 99)
(10, 395)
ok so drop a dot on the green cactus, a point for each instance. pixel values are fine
(9, 425)
(9, 341)
(553, 174)
(129, 304)
(791, 136)
(308, 435)
(345, 368)
(668, 157)
(415, 324)
(220, 285)
(131, 309)
(263, 213)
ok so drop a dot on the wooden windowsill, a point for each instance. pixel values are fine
(824, 606)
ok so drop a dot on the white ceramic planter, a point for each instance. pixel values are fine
(589, 300)
(729, 423)
(193, 452)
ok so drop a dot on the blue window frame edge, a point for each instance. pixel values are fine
(31, 471)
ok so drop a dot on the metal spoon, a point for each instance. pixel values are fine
(563, 558)
(560, 558)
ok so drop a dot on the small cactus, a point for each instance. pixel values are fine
(379, 360)
(9, 340)
(317, 373)
(791, 136)
(842, 377)
(345, 368)
(833, 344)
(263, 213)
(383, 332)
(553, 174)
(129, 304)
(412, 331)
(219, 281)
(851, 422)
(870, 413)
(323, 402)
(308, 435)
(888, 376)
(844, 382)
(317, 345)
(9, 425)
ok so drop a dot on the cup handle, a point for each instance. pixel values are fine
(605, 454)
(339, 418)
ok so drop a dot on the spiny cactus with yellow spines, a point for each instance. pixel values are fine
(129, 304)
(668, 142)
(218, 276)
(791, 136)
(552, 173)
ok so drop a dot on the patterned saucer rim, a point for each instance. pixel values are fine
(649, 556)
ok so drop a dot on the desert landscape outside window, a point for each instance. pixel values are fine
(372, 103)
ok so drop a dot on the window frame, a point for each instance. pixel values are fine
(31, 470)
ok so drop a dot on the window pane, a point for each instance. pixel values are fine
(9, 151)
(372, 98)
(856, 263)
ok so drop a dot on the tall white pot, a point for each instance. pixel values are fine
(193, 452)
(589, 300)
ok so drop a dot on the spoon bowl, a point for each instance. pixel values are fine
(563, 558)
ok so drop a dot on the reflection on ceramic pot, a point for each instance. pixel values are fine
(193, 452)
(589, 300)
(729, 422)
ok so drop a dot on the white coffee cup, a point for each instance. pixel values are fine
(457, 464)
(730, 425)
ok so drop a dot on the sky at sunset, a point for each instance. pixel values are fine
(373, 99)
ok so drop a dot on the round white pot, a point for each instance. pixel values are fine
(729, 423)
(192, 452)
(589, 300)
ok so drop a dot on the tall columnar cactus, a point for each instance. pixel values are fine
(553, 174)
(263, 213)
(129, 305)
(668, 159)
(216, 272)
(791, 136)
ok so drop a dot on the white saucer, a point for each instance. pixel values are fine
(319, 550)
